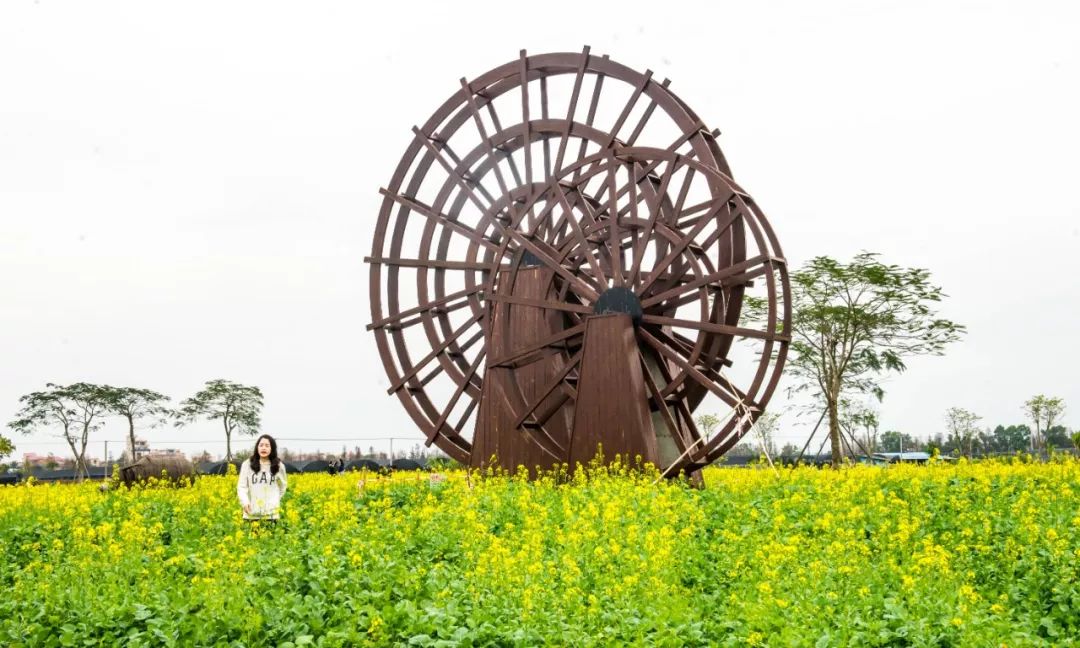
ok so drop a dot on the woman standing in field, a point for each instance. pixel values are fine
(262, 481)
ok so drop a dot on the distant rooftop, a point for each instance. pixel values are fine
(892, 457)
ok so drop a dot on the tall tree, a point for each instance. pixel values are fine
(136, 404)
(765, 429)
(861, 423)
(1058, 437)
(893, 441)
(1012, 438)
(237, 406)
(76, 410)
(707, 423)
(1043, 412)
(6, 446)
(853, 322)
(962, 427)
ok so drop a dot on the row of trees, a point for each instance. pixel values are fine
(962, 434)
(416, 452)
(74, 412)
(852, 325)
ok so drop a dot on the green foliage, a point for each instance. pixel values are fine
(1043, 412)
(962, 427)
(1058, 437)
(1011, 438)
(860, 423)
(707, 424)
(137, 404)
(764, 431)
(853, 322)
(6, 446)
(893, 441)
(237, 406)
(74, 410)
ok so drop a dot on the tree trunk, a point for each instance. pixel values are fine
(131, 437)
(75, 452)
(834, 432)
(80, 464)
(228, 439)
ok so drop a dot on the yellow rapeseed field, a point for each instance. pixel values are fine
(975, 554)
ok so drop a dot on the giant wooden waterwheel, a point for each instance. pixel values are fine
(562, 262)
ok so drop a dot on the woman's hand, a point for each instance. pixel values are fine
(247, 509)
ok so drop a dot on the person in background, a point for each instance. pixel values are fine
(262, 482)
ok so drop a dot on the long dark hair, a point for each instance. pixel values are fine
(275, 463)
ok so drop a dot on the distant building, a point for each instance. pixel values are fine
(31, 459)
(904, 457)
(167, 452)
(141, 449)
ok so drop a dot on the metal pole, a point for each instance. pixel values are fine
(811, 437)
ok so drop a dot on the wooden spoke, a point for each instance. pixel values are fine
(469, 409)
(544, 117)
(568, 122)
(731, 275)
(689, 369)
(584, 289)
(523, 71)
(506, 155)
(661, 404)
(685, 348)
(654, 214)
(614, 233)
(436, 264)
(687, 239)
(629, 106)
(437, 428)
(423, 307)
(463, 183)
(552, 385)
(645, 117)
(579, 235)
(442, 219)
(712, 327)
(647, 169)
(542, 303)
(518, 357)
(593, 104)
(398, 384)
(470, 101)
(730, 219)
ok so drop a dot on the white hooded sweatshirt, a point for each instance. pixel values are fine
(261, 490)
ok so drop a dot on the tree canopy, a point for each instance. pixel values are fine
(854, 322)
(137, 404)
(1043, 411)
(237, 406)
(75, 411)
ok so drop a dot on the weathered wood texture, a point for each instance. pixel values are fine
(612, 410)
(496, 435)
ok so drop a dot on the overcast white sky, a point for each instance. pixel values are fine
(187, 190)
